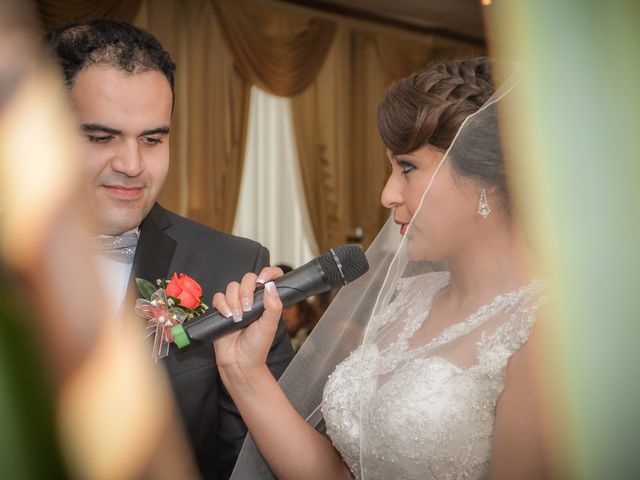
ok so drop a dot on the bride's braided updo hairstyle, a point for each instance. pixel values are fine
(428, 108)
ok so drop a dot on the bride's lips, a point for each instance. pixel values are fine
(124, 192)
(403, 226)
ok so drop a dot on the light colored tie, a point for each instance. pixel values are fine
(121, 248)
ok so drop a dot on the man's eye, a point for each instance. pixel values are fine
(151, 140)
(99, 138)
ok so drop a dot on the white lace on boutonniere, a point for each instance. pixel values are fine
(166, 304)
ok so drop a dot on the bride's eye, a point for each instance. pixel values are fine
(406, 167)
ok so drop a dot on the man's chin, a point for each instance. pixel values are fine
(121, 223)
(117, 215)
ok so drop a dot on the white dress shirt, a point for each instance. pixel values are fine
(115, 279)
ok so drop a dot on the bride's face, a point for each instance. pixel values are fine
(447, 217)
(410, 175)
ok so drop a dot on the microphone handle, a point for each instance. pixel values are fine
(292, 288)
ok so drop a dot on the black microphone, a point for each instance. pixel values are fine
(333, 269)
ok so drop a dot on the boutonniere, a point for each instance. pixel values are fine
(168, 303)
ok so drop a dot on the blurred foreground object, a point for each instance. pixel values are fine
(114, 413)
(580, 119)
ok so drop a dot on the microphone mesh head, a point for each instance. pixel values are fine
(344, 264)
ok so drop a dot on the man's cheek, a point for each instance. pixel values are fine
(94, 164)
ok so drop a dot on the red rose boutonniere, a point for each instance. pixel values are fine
(166, 304)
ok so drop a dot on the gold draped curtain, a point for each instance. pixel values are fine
(211, 111)
(279, 51)
(333, 69)
(282, 52)
(54, 13)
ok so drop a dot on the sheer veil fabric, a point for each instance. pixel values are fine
(406, 401)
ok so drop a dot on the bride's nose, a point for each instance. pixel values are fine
(391, 195)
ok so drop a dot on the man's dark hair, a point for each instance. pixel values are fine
(76, 46)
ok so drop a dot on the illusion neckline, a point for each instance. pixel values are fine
(399, 350)
(478, 317)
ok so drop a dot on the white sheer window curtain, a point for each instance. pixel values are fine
(272, 208)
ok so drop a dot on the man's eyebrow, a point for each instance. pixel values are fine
(96, 127)
(154, 131)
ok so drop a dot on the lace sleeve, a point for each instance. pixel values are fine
(495, 348)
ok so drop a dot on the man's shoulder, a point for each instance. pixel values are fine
(187, 231)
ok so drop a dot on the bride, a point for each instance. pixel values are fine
(435, 351)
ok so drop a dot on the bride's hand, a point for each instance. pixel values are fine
(243, 352)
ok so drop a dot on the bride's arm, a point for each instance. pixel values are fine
(290, 446)
(518, 444)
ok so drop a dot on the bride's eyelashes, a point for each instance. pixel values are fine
(406, 167)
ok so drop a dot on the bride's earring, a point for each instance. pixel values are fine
(483, 206)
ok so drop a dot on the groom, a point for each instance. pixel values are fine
(121, 82)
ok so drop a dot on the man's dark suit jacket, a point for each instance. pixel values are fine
(170, 243)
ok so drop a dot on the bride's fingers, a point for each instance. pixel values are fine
(250, 346)
(219, 302)
(247, 287)
(233, 300)
(272, 308)
(269, 273)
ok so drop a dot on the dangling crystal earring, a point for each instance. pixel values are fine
(483, 206)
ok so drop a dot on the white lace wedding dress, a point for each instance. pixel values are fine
(395, 412)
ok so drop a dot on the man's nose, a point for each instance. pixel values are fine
(129, 159)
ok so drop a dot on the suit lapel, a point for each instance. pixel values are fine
(155, 249)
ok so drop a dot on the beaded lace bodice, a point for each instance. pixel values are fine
(395, 411)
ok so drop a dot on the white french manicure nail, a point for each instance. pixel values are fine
(270, 287)
(246, 305)
(237, 316)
